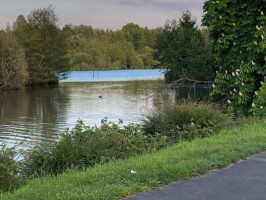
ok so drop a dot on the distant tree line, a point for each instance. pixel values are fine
(97, 49)
(35, 51)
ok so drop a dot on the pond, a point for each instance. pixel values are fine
(37, 115)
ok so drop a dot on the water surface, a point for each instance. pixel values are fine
(37, 115)
(115, 75)
(40, 114)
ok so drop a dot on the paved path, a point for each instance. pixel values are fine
(243, 181)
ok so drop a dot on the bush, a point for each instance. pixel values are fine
(85, 146)
(9, 169)
(185, 121)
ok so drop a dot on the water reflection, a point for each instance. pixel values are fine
(120, 100)
(28, 115)
(39, 115)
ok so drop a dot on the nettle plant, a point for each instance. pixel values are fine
(238, 33)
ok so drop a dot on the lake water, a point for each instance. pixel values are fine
(35, 115)
(115, 75)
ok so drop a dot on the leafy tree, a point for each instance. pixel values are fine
(13, 65)
(133, 33)
(259, 102)
(45, 46)
(182, 49)
(238, 32)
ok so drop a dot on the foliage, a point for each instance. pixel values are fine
(185, 121)
(51, 52)
(177, 162)
(183, 50)
(259, 103)
(45, 46)
(238, 32)
(96, 49)
(85, 146)
(13, 65)
(9, 169)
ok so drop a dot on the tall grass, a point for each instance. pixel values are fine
(185, 121)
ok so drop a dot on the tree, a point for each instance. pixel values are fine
(45, 46)
(182, 49)
(133, 33)
(238, 32)
(13, 65)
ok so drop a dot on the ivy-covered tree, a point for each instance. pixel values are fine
(238, 32)
(182, 49)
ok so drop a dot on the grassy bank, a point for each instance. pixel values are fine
(114, 180)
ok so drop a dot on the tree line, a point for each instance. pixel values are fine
(97, 49)
(36, 51)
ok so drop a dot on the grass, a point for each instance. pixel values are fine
(184, 160)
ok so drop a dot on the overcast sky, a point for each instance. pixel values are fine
(112, 14)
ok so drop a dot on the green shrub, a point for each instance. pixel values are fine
(185, 121)
(85, 146)
(9, 169)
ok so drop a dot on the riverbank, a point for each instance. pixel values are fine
(122, 178)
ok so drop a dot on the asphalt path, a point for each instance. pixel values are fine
(245, 180)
